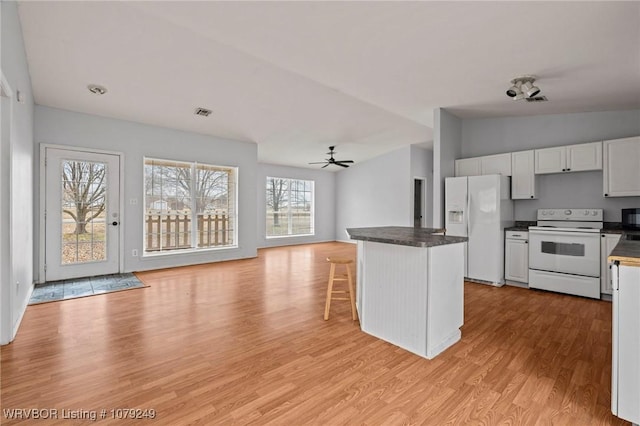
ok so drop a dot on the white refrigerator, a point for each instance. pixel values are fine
(480, 208)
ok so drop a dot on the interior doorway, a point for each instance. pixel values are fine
(419, 202)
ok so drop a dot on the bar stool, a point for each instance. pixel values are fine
(345, 277)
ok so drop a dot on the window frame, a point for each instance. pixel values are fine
(312, 209)
(193, 214)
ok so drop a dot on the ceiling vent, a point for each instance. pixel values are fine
(203, 112)
(537, 99)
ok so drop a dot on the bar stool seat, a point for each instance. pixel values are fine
(343, 277)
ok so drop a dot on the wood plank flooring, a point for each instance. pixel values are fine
(244, 342)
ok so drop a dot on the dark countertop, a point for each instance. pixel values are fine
(404, 236)
(521, 226)
(517, 228)
(627, 252)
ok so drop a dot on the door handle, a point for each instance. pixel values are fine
(114, 223)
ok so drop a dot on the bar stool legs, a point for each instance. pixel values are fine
(345, 277)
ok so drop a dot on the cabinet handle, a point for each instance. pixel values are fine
(526, 242)
(606, 195)
(564, 170)
(568, 170)
(532, 196)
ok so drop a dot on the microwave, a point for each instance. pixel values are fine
(631, 219)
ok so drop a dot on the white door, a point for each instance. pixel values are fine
(455, 201)
(550, 160)
(485, 247)
(517, 260)
(82, 214)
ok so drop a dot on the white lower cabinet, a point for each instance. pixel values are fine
(516, 265)
(607, 243)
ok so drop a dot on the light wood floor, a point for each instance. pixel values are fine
(244, 341)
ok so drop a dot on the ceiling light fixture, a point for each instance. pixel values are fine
(96, 89)
(522, 87)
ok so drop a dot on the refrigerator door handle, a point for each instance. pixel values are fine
(469, 214)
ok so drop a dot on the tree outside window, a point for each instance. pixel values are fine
(188, 206)
(289, 207)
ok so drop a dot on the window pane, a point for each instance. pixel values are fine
(83, 217)
(215, 205)
(183, 199)
(289, 207)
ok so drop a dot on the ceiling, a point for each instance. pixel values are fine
(296, 77)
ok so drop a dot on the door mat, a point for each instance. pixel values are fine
(54, 291)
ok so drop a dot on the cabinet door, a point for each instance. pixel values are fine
(586, 156)
(496, 164)
(517, 260)
(607, 244)
(550, 160)
(523, 178)
(468, 167)
(621, 168)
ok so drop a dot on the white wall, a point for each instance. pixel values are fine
(324, 201)
(16, 178)
(377, 192)
(447, 147)
(55, 126)
(422, 167)
(568, 190)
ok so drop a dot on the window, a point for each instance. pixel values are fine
(289, 207)
(188, 206)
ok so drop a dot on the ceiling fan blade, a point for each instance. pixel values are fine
(340, 164)
(318, 162)
(324, 166)
(344, 161)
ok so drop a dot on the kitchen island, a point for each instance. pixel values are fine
(625, 366)
(410, 286)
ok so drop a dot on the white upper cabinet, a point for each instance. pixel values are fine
(499, 164)
(468, 167)
(550, 160)
(523, 178)
(621, 170)
(570, 158)
(586, 156)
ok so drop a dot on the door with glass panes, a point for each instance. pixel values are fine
(82, 214)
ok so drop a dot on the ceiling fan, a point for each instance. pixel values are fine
(331, 160)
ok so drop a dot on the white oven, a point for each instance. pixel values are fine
(567, 252)
(564, 251)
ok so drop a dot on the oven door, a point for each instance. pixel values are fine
(565, 251)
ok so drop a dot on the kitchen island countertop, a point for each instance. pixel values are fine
(627, 252)
(404, 236)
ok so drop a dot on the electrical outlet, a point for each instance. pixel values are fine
(133, 201)
(134, 252)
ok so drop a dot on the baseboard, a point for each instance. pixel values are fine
(16, 325)
(445, 344)
(517, 284)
